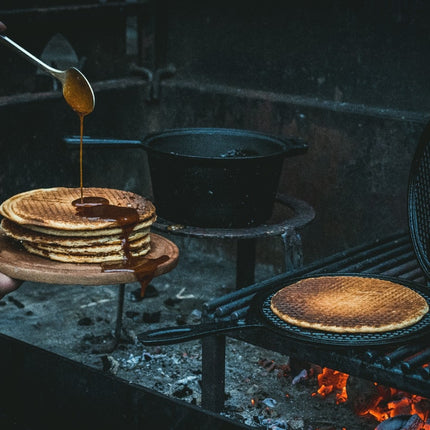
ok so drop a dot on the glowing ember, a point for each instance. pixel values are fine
(401, 403)
(332, 381)
(385, 403)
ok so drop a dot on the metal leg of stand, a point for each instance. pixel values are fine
(245, 262)
(119, 313)
(213, 372)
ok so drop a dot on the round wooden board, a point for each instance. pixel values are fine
(17, 263)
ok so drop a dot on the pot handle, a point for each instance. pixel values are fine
(90, 142)
(172, 335)
(295, 146)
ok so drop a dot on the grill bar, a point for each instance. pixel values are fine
(240, 313)
(399, 354)
(230, 307)
(398, 261)
(415, 360)
(424, 371)
(406, 366)
(340, 261)
(383, 261)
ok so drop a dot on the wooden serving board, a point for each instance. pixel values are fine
(17, 263)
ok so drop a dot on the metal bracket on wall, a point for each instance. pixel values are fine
(59, 53)
(154, 79)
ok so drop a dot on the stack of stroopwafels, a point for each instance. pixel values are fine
(47, 224)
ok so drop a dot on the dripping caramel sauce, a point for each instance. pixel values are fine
(99, 208)
(81, 150)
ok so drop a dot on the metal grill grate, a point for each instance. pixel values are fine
(348, 339)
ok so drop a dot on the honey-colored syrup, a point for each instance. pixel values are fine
(80, 98)
(75, 92)
(99, 208)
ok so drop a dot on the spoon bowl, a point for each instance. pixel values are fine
(77, 90)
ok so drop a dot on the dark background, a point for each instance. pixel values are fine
(350, 77)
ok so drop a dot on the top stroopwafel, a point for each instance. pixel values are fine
(114, 227)
(349, 304)
(51, 208)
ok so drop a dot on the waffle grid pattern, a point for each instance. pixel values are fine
(325, 337)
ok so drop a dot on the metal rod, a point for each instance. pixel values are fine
(392, 263)
(245, 264)
(213, 372)
(400, 353)
(240, 313)
(371, 355)
(407, 267)
(424, 371)
(415, 275)
(378, 262)
(119, 312)
(73, 142)
(332, 263)
(416, 360)
(230, 307)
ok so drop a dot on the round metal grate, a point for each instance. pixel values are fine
(348, 339)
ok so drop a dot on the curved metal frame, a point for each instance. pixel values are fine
(303, 213)
(419, 200)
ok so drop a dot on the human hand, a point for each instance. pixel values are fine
(3, 27)
(7, 284)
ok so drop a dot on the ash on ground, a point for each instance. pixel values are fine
(263, 389)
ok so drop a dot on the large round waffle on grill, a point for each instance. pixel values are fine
(348, 304)
(47, 223)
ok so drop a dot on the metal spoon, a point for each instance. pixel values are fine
(76, 89)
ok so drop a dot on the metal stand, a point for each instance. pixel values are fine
(213, 372)
(213, 347)
(113, 341)
(245, 262)
(246, 237)
(119, 313)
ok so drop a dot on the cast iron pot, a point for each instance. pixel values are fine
(211, 177)
(214, 177)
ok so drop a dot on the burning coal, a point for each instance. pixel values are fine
(371, 398)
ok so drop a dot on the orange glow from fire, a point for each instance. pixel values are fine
(408, 404)
(332, 381)
(389, 402)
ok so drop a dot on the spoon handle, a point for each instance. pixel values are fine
(30, 57)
